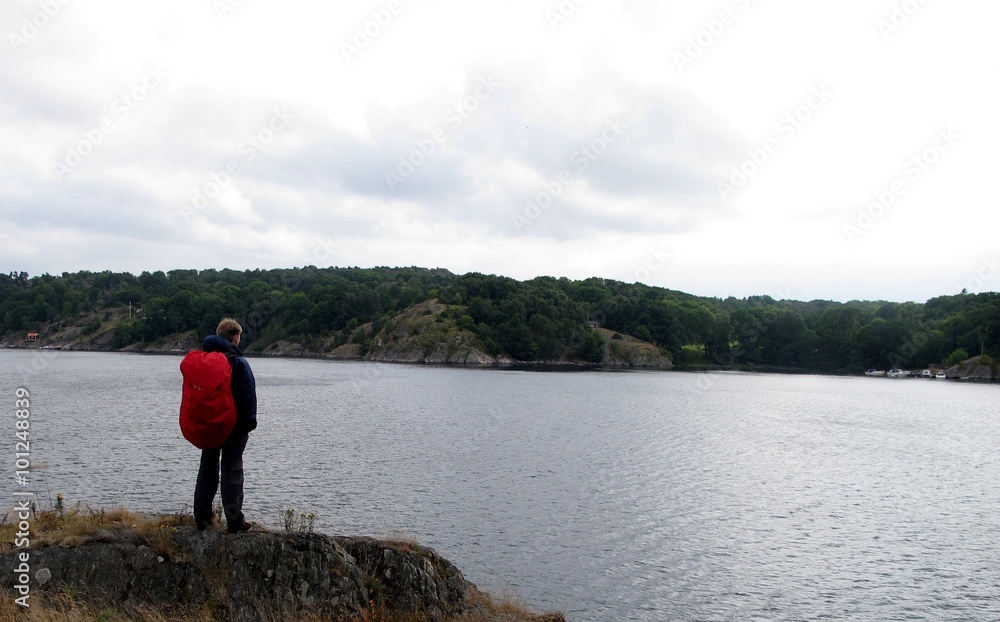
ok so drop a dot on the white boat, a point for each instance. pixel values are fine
(941, 376)
(875, 372)
(926, 374)
(896, 372)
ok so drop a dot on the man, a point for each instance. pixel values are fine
(227, 340)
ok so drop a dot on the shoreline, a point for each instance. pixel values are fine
(504, 365)
(540, 366)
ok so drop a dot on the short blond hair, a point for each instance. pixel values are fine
(228, 329)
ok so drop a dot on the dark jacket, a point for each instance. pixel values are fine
(243, 385)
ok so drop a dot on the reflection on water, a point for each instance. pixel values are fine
(610, 496)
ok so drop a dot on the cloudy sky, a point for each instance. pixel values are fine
(797, 149)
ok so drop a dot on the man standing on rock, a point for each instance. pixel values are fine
(227, 340)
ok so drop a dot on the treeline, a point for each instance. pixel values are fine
(541, 319)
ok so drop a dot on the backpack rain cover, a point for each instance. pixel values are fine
(208, 412)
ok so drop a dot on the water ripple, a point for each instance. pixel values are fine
(610, 496)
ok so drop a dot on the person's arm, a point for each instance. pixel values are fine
(245, 393)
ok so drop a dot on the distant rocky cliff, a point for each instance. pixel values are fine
(982, 368)
(427, 332)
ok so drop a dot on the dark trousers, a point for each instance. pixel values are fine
(231, 454)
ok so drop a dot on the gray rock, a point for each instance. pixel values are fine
(249, 576)
(409, 577)
(973, 369)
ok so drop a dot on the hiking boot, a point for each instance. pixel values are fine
(238, 528)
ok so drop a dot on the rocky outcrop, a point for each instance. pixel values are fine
(248, 576)
(284, 348)
(440, 353)
(428, 332)
(411, 577)
(627, 351)
(981, 368)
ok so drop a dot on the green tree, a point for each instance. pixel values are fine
(956, 357)
(515, 338)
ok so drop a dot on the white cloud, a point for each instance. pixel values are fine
(321, 181)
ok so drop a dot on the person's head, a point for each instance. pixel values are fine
(229, 329)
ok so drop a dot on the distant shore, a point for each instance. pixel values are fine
(466, 358)
(507, 364)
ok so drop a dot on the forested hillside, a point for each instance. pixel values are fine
(536, 320)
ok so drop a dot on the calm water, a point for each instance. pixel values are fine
(610, 496)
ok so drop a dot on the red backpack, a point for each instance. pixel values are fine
(208, 412)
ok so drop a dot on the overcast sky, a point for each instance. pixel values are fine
(796, 149)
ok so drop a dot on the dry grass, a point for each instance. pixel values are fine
(56, 527)
(64, 609)
(403, 543)
(505, 602)
(505, 607)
